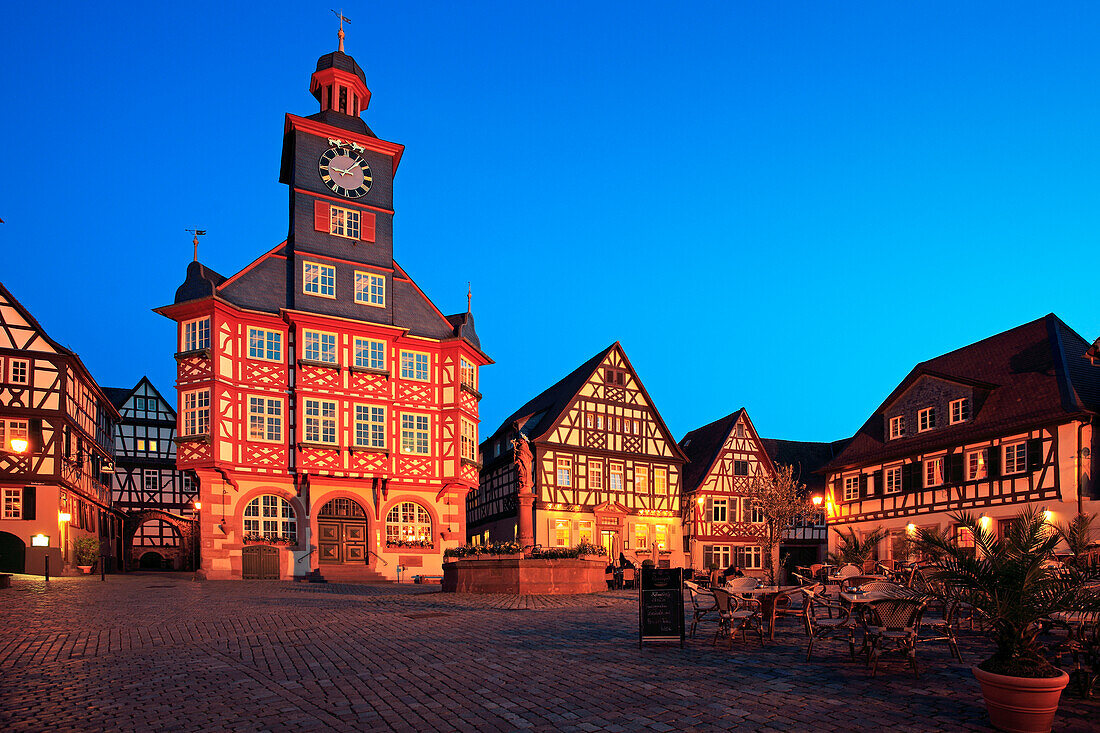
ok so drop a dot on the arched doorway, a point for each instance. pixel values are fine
(342, 533)
(13, 554)
(151, 561)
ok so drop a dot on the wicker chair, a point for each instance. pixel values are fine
(894, 620)
(943, 628)
(857, 580)
(820, 626)
(741, 585)
(736, 614)
(703, 605)
(848, 571)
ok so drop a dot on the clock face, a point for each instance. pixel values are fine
(345, 172)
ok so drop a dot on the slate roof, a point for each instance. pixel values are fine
(118, 395)
(1035, 374)
(807, 457)
(200, 282)
(701, 446)
(343, 62)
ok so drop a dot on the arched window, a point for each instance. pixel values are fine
(270, 517)
(409, 523)
(156, 533)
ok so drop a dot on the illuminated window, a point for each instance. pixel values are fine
(264, 344)
(595, 475)
(660, 536)
(265, 419)
(641, 479)
(933, 472)
(660, 481)
(318, 279)
(414, 434)
(616, 477)
(320, 421)
(370, 354)
(641, 536)
(926, 419)
(1015, 458)
(586, 531)
(196, 412)
(561, 532)
(960, 410)
(343, 222)
(370, 288)
(152, 445)
(469, 440)
(414, 365)
(893, 480)
(565, 472)
(13, 503)
(318, 346)
(370, 426)
(977, 465)
(408, 522)
(964, 539)
(897, 427)
(270, 516)
(196, 334)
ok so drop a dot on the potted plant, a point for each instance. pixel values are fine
(855, 551)
(1008, 583)
(87, 552)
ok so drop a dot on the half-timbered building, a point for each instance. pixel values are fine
(990, 428)
(327, 407)
(56, 450)
(157, 498)
(606, 469)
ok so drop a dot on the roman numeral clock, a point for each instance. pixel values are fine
(345, 172)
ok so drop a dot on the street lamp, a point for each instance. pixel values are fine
(19, 445)
(817, 499)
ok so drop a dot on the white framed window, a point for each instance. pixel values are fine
(586, 531)
(370, 426)
(320, 421)
(343, 222)
(469, 440)
(565, 471)
(562, 533)
(752, 557)
(265, 419)
(196, 412)
(265, 345)
(719, 510)
(318, 279)
(933, 472)
(926, 419)
(1015, 458)
(897, 427)
(641, 479)
(19, 371)
(13, 503)
(319, 346)
(595, 475)
(960, 410)
(977, 464)
(469, 377)
(660, 481)
(187, 482)
(892, 478)
(615, 477)
(718, 555)
(756, 512)
(408, 522)
(139, 403)
(370, 354)
(370, 288)
(196, 334)
(851, 487)
(270, 516)
(414, 434)
(150, 481)
(414, 365)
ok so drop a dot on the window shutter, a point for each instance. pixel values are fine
(28, 502)
(366, 226)
(1034, 454)
(863, 487)
(955, 468)
(709, 510)
(907, 476)
(993, 460)
(321, 216)
(879, 486)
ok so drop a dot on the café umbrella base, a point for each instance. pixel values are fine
(661, 605)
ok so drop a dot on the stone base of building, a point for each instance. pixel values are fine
(525, 576)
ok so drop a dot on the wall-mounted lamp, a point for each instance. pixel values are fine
(19, 445)
(64, 517)
(817, 499)
(911, 529)
(701, 500)
(984, 521)
(1048, 516)
(198, 506)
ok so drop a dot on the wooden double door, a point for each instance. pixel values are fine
(342, 530)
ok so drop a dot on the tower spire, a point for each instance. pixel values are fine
(340, 34)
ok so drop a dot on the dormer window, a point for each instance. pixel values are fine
(960, 410)
(897, 427)
(926, 419)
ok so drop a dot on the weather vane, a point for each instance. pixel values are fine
(340, 14)
(198, 233)
(469, 295)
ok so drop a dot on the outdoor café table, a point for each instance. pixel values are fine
(767, 594)
(858, 601)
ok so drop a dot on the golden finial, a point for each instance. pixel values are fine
(340, 34)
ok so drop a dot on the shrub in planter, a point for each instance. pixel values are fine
(1007, 583)
(87, 551)
(648, 564)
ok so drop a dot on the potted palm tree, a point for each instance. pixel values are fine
(1009, 584)
(855, 551)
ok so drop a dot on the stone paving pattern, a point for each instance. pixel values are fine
(157, 652)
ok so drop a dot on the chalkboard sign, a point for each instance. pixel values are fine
(661, 605)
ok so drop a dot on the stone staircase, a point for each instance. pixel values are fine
(344, 574)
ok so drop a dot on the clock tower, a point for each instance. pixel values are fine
(328, 408)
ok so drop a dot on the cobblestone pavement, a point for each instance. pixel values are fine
(159, 652)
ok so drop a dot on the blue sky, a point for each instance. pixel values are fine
(782, 206)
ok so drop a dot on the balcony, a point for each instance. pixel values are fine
(83, 482)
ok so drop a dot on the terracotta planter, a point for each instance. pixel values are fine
(86, 569)
(1021, 704)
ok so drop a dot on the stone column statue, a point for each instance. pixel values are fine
(521, 456)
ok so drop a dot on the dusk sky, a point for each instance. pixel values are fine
(782, 206)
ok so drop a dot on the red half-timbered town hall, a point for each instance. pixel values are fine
(328, 408)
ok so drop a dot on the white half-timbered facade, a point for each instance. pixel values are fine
(990, 428)
(606, 470)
